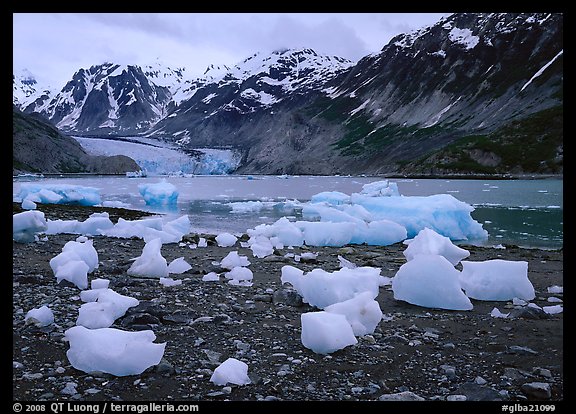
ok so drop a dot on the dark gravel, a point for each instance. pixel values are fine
(415, 352)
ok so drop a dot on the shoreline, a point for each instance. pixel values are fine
(463, 176)
(433, 354)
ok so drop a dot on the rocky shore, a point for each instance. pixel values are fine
(415, 353)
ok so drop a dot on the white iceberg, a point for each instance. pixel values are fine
(159, 194)
(112, 351)
(496, 279)
(231, 371)
(42, 316)
(431, 281)
(429, 242)
(150, 263)
(324, 332)
(362, 312)
(25, 225)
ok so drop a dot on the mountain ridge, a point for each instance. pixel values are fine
(294, 111)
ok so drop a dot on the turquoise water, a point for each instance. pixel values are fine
(522, 212)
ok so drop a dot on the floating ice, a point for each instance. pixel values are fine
(429, 242)
(331, 197)
(226, 239)
(41, 316)
(441, 212)
(246, 207)
(112, 351)
(233, 259)
(159, 194)
(150, 263)
(362, 312)
(382, 188)
(496, 279)
(321, 288)
(178, 266)
(25, 225)
(231, 371)
(431, 281)
(108, 307)
(60, 194)
(324, 332)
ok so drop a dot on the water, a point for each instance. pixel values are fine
(523, 212)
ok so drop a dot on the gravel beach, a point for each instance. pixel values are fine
(415, 353)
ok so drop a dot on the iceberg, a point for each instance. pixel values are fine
(324, 332)
(431, 281)
(25, 225)
(159, 194)
(60, 194)
(150, 263)
(320, 288)
(112, 351)
(362, 312)
(429, 242)
(231, 371)
(497, 280)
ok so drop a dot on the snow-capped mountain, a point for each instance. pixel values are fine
(26, 91)
(475, 91)
(257, 84)
(107, 98)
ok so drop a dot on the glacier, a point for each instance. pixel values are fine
(159, 158)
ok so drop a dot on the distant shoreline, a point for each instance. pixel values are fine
(384, 176)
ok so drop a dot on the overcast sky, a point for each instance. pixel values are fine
(53, 46)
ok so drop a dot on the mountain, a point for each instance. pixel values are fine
(469, 77)
(34, 138)
(26, 91)
(226, 98)
(106, 99)
(473, 93)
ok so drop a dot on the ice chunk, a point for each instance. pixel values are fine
(211, 277)
(551, 310)
(231, 371)
(168, 281)
(112, 351)
(261, 246)
(331, 197)
(324, 332)
(74, 271)
(321, 288)
(246, 207)
(382, 188)
(85, 251)
(495, 313)
(233, 259)
(60, 194)
(285, 231)
(178, 266)
(25, 225)
(496, 279)
(41, 316)
(431, 281)
(28, 204)
(379, 233)
(226, 239)
(442, 213)
(362, 312)
(240, 274)
(150, 263)
(429, 242)
(108, 307)
(326, 233)
(159, 194)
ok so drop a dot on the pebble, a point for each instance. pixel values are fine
(401, 396)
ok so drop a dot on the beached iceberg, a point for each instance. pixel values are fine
(496, 279)
(430, 280)
(231, 371)
(112, 351)
(324, 332)
(25, 225)
(150, 263)
(429, 242)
